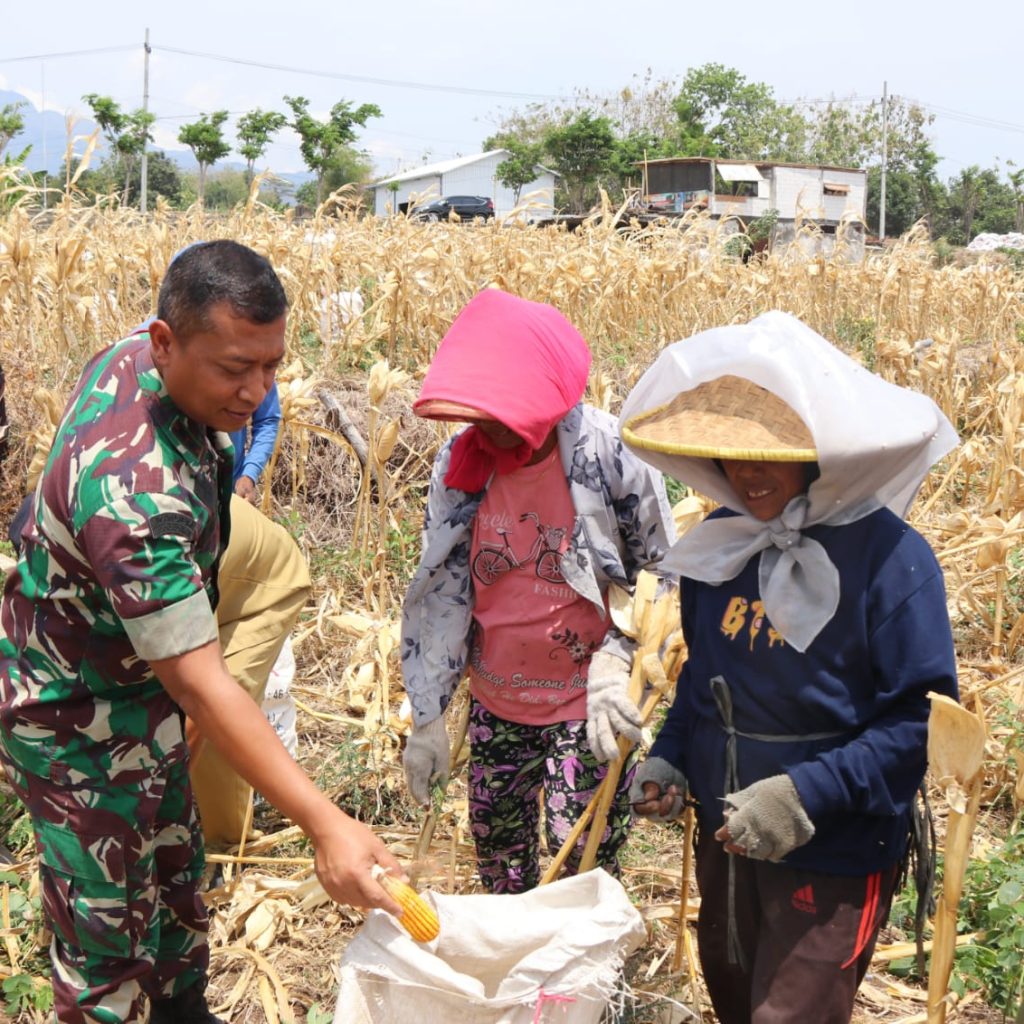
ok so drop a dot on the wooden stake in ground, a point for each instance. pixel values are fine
(956, 748)
(683, 940)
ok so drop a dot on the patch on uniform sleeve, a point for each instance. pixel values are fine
(171, 524)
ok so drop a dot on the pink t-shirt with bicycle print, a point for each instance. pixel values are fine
(533, 634)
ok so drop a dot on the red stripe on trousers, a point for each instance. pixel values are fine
(867, 917)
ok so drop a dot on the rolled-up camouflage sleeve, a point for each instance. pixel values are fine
(142, 549)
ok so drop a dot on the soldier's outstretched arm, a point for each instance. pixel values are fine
(346, 850)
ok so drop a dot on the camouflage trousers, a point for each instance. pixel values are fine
(119, 872)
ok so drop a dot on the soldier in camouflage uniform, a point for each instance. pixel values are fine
(109, 637)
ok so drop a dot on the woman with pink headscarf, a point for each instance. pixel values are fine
(533, 511)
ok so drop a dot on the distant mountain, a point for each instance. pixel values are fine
(46, 132)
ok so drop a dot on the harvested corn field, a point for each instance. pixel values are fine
(370, 300)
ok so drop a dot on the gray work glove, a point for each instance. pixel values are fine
(767, 819)
(610, 712)
(426, 757)
(665, 805)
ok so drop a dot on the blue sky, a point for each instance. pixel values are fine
(445, 71)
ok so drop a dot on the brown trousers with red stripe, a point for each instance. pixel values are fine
(807, 938)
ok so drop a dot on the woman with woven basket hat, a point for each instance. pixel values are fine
(532, 512)
(816, 624)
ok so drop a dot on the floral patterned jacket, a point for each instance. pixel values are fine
(623, 524)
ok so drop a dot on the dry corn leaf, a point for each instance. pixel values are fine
(268, 1001)
(956, 748)
(1018, 789)
(620, 607)
(264, 922)
(688, 512)
(354, 623)
(386, 441)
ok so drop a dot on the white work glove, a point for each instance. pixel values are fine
(426, 758)
(766, 820)
(610, 712)
(665, 804)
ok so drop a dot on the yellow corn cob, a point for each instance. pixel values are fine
(417, 917)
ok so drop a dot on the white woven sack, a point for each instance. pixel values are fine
(278, 702)
(552, 954)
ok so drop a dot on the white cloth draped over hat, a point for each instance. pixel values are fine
(875, 443)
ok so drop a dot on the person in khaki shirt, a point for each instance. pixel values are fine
(264, 583)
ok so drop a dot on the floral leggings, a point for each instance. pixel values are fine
(509, 765)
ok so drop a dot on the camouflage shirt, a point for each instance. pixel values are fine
(118, 568)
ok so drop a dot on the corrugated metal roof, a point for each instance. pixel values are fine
(447, 166)
(442, 167)
(762, 163)
(739, 172)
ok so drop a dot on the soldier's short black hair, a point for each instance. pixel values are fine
(207, 273)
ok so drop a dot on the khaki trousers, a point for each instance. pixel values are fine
(264, 583)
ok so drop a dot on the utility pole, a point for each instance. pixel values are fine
(42, 111)
(144, 169)
(885, 159)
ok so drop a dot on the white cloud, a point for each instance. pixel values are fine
(384, 151)
(35, 97)
(165, 137)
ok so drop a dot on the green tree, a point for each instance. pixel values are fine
(630, 152)
(255, 130)
(163, 178)
(225, 189)
(126, 132)
(205, 138)
(644, 106)
(529, 126)
(1017, 185)
(912, 163)
(722, 114)
(349, 167)
(323, 141)
(12, 123)
(582, 152)
(846, 134)
(842, 135)
(519, 168)
(965, 197)
(997, 211)
(903, 207)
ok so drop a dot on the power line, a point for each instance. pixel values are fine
(393, 83)
(70, 53)
(832, 101)
(964, 118)
(195, 113)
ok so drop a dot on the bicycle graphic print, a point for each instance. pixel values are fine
(493, 560)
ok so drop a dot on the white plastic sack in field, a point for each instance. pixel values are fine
(278, 702)
(552, 954)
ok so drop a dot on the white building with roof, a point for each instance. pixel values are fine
(465, 176)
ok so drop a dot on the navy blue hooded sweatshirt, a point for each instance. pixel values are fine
(863, 680)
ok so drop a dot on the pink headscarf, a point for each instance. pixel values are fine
(504, 358)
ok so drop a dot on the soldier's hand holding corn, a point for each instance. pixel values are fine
(346, 850)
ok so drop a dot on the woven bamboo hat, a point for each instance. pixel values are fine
(726, 418)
